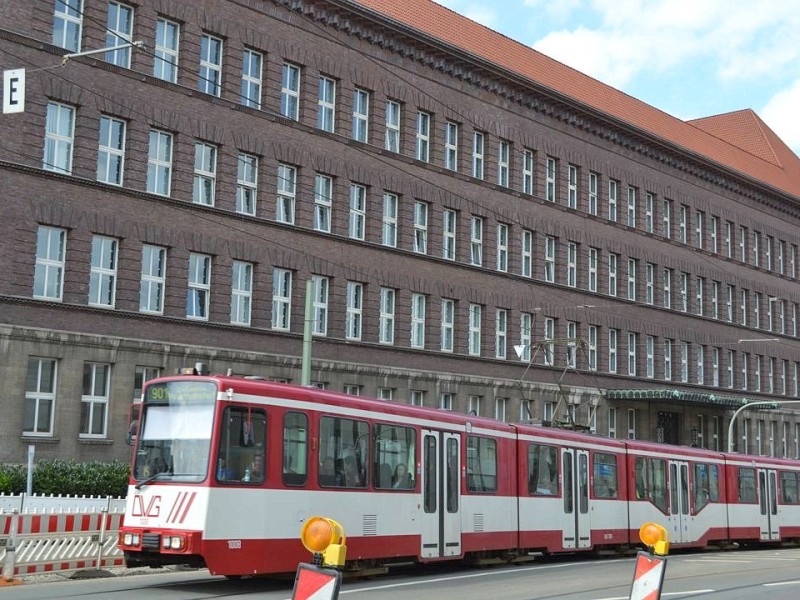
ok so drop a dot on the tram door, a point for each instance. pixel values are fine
(768, 504)
(575, 483)
(679, 512)
(441, 501)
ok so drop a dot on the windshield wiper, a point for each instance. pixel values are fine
(141, 484)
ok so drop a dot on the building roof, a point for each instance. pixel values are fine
(739, 141)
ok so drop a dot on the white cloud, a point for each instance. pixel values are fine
(780, 113)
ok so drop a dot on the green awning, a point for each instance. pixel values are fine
(681, 396)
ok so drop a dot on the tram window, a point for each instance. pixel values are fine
(242, 445)
(295, 449)
(789, 487)
(481, 464)
(345, 441)
(706, 485)
(747, 485)
(452, 475)
(650, 478)
(605, 481)
(568, 479)
(542, 470)
(394, 458)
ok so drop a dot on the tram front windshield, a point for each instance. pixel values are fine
(174, 440)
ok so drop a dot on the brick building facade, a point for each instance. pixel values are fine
(167, 204)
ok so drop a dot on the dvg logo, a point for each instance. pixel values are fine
(150, 508)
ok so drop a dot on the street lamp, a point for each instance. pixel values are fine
(745, 407)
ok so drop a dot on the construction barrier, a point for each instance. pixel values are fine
(50, 543)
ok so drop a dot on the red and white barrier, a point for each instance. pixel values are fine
(58, 542)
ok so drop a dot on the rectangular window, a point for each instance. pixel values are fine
(631, 221)
(503, 154)
(103, 272)
(714, 241)
(550, 179)
(418, 320)
(416, 398)
(631, 423)
(153, 279)
(205, 173)
(358, 211)
(667, 218)
(287, 193)
(592, 348)
(361, 115)
(119, 29)
(111, 150)
(323, 202)
(667, 288)
(612, 350)
(631, 354)
(730, 369)
(474, 338)
(386, 325)
(549, 259)
(572, 186)
(481, 464)
(699, 286)
(241, 292)
(420, 227)
(699, 229)
(446, 401)
(501, 333)
(423, 136)
(757, 248)
(281, 299)
(700, 364)
(389, 220)
(715, 299)
(326, 104)
(684, 361)
(612, 274)
(683, 224)
(502, 247)
(757, 310)
(526, 249)
(210, 74)
(252, 65)
(649, 208)
(48, 277)
(715, 364)
(476, 242)
(246, 183)
(730, 292)
(612, 423)
(527, 171)
(612, 200)
(448, 324)
(650, 357)
(631, 279)
(59, 138)
(290, 91)
(781, 254)
(594, 185)
(199, 290)
(451, 146)
(572, 344)
(392, 139)
(67, 24)
(478, 143)
(667, 359)
(525, 330)
(320, 287)
(449, 219)
(728, 239)
(649, 284)
(743, 244)
(40, 397)
(572, 264)
(684, 291)
(605, 480)
(591, 281)
(355, 310)
(159, 163)
(165, 59)
(94, 401)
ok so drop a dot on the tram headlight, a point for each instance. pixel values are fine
(173, 542)
(131, 539)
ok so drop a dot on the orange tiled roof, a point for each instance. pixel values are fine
(739, 141)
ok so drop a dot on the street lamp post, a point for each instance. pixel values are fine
(749, 405)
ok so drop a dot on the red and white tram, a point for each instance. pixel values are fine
(226, 470)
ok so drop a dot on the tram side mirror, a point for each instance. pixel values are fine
(130, 439)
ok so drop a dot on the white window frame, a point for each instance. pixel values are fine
(649, 212)
(358, 211)
(503, 161)
(59, 138)
(42, 398)
(666, 218)
(199, 287)
(241, 292)
(421, 227)
(591, 280)
(290, 91)
(684, 361)
(476, 241)
(418, 309)
(103, 271)
(320, 292)
(119, 31)
(572, 186)
(451, 145)
(474, 331)
(386, 317)
(526, 251)
(447, 342)
(205, 174)
(528, 169)
(525, 335)
(550, 170)
(355, 310)
(613, 260)
(252, 75)
(51, 249)
(550, 259)
(592, 347)
(423, 136)
(449, 224)
(392, 121)
(650, 357)
(594, 185)
(613, 337)
(632, 354)
(667, 287)
(683, 223)
(649, 284)
(95, 399)
(478, 147)
(287, 193)
(631, 216)
(501, 333)
(246, 183)
(326, 104)
(166, 52)
(502, 247)
(153, 279)
(210, 72)
(159, 162)
(389, 220)
(361, 101)
(668, 359)
(323, 202)
(111, 150)
(632, 279)
(613, 186)
(572, 264)
(68, 24)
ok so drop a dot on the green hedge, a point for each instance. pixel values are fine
(68, 478)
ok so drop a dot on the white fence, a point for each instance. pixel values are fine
(58, 533)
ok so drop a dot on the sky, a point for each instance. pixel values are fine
(689, 58)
